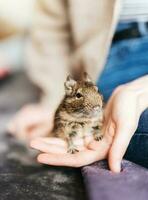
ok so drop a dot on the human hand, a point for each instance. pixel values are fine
(121, 119)
(54, 151)
(119, 126)
(31, 121)
(122, 115)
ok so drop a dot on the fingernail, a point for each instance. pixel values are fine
(41, 159)
(33, 143)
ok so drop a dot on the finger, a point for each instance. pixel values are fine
(41, 130)
(19, 132)
(11, 128)
(120, 143)
(22, 131)
(72, 160)
(52, 141)
(15, 124)
(102, 147)
(12, 125)
(29, 122)
(47, 148)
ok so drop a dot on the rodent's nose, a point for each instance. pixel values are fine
(97, 108)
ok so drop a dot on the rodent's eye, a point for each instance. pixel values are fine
(78, 95)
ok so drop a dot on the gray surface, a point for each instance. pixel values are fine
(102, 184)
(20, 177)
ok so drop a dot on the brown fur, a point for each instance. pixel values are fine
(80, 112)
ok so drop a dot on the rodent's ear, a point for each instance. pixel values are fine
(86, 78)
(69, 85)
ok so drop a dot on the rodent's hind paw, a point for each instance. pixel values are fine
(98, 137)
(72, 150)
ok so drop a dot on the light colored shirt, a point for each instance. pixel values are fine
(134, 10)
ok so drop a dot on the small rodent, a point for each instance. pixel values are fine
(80, 112)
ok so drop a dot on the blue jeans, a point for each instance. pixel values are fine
(127, 61)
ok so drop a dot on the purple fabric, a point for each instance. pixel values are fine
(102, 184)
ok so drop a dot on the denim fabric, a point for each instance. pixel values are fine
(137, 151)
(102, 184)
(128, 60)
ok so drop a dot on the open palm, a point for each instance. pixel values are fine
(54, 152)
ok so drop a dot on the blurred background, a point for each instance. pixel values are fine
(14, 29)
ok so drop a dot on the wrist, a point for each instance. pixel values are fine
(143, 101)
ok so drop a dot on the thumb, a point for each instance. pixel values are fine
(120, 143)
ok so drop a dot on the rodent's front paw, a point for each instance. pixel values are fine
(98, 137)
(72, 150)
